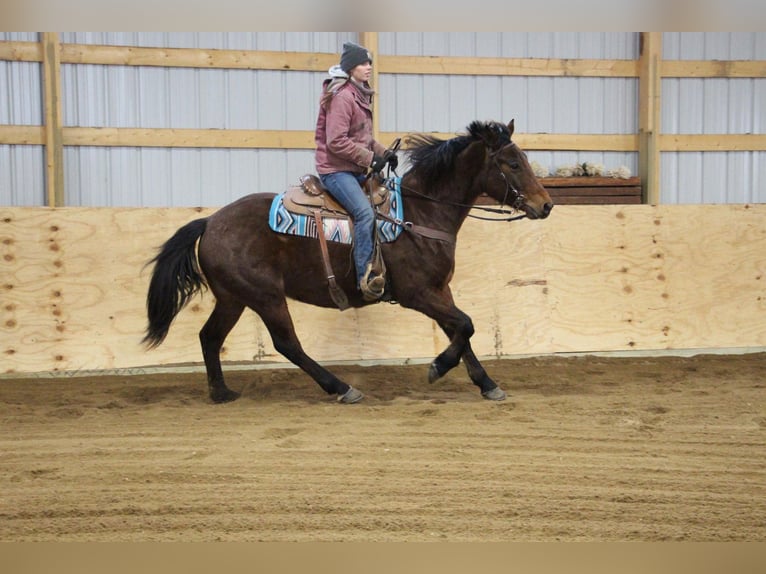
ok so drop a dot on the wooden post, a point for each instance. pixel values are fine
(370, 41)
(54, 148)
(649, 115)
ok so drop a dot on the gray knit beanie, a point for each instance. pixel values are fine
(353, 55)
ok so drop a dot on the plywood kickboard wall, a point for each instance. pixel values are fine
(588, 279)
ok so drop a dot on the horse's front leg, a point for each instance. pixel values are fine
(440, 306)
(480, 378)
(459, 328)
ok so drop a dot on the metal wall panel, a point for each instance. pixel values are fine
(19, 37)
(22, 167)
(20, 93)
(413, 103)
(125, 96)
(145, 97)
(22, 180)
(713, 106)
(156, 177)
(148, 97)
(612, 45)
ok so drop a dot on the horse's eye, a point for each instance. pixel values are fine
(514, 165)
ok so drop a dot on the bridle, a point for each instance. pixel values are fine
(516, 204)
(518, 200)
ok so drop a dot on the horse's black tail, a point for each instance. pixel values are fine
(175, 279)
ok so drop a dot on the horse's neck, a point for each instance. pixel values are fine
(446, 207)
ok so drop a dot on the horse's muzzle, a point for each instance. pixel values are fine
(533, 213)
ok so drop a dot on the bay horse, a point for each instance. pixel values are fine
(246, 264)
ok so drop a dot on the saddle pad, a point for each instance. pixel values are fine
(339, 230)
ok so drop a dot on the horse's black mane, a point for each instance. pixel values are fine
(432, 159)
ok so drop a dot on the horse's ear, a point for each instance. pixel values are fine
(510, 128)
(493, 134)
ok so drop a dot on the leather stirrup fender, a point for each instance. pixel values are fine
(336, 293)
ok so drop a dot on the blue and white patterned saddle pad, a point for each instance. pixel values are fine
(283, 221)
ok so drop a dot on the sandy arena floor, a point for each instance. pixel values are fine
(585, 448)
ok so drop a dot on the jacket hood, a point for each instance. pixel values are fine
(337, 72)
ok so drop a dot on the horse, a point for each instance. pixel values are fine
(247, 264)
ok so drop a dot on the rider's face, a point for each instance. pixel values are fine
(362, 72)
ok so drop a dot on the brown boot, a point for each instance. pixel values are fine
(372, 287)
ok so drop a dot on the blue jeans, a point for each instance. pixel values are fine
(346, 188)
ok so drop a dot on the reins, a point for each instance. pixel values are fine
(516, 205)
(484, 208)
(518, 202)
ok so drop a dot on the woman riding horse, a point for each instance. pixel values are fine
(346, 149)
(247, 264)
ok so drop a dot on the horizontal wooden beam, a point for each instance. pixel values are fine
(429, 65)
(173, 57)
(713, 69)
(712, 142)
(506, 66)
(197, 58)
(550, 142)
(196, 138)
(279, 139)
(299, 139)
(304, 139)
(578, 142)
(22, 135)
(21, 51)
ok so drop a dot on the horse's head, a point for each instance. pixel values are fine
(509, 177)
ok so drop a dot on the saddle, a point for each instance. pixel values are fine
(311, 196)
(312, 199)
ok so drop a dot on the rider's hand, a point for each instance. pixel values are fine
(378, 163)
(390, 157)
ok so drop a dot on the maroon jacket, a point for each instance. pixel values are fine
(343, 134)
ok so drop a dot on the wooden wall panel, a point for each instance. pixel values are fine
(649, 277)
(590, 278)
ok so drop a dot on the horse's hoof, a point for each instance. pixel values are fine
(223, 396)
(433, 374)
(496, 394)
(351, 396)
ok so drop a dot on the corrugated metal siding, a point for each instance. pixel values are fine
(242, 99)
(713, 106)
(613, 45)
(155, 177)
(539, 105)
(19, 36)
(22, 180)
(145, 97)
(125, 96)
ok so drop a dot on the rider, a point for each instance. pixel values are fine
(345, 149)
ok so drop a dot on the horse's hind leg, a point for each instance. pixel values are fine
(278, 321)
(213, 333)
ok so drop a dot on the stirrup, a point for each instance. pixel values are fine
(372, 289)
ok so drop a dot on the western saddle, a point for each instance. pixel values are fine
(311, 198)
